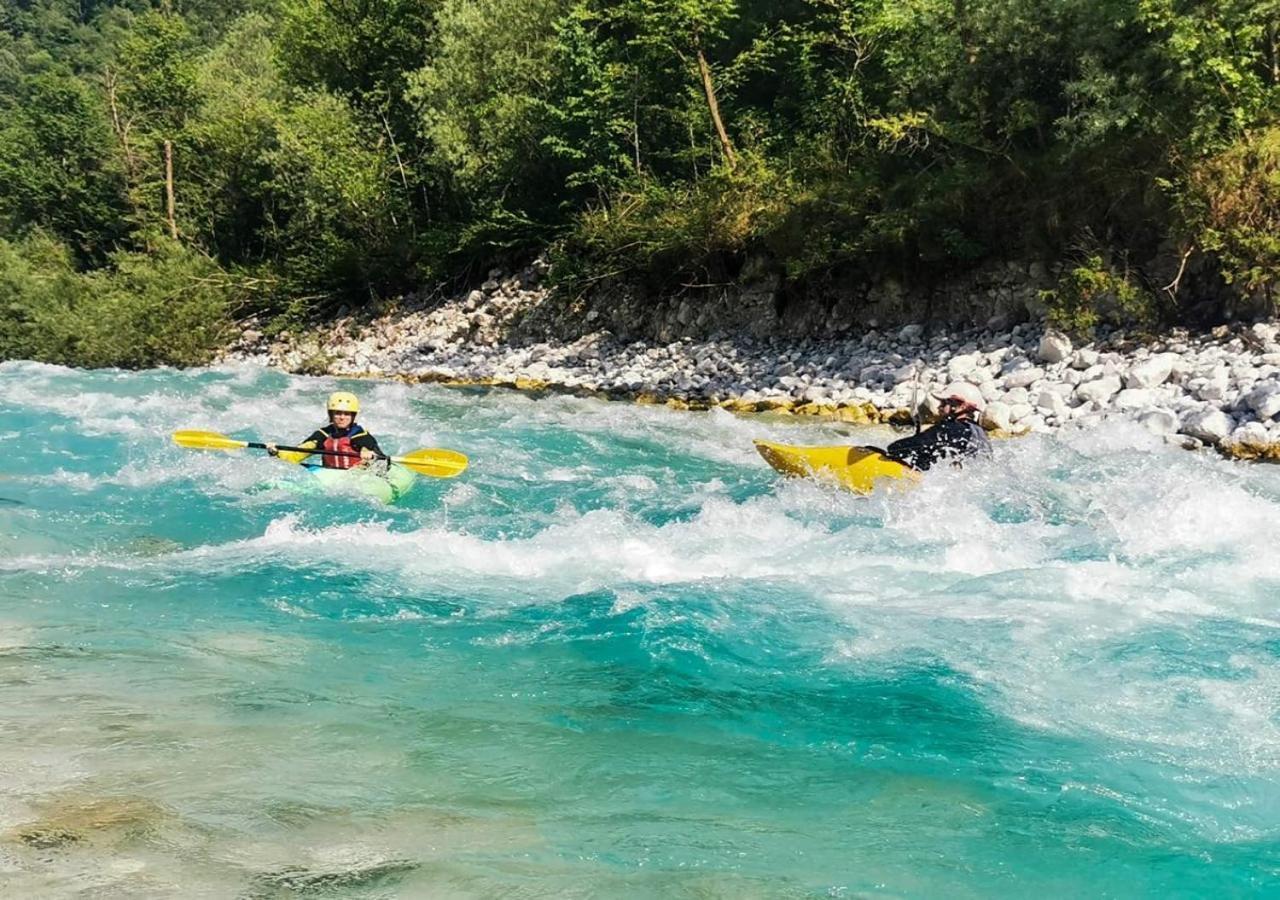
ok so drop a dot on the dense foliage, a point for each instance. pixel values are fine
(173, 164)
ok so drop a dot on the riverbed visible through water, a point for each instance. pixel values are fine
(619, 657)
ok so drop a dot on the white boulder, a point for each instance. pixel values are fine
(1054, 347)
(1211, 391)
(1264, 400)
(1263, 334)
(1051, 403)
(1151, 372)
(1022, 377)
(1182, 368)
(1020, 412)
(1100, 390)
(997, 415)
(1209, 425)
(1134, 398)
(1017, 395)
(960, 366)
(1250, 436)
(1084, 358)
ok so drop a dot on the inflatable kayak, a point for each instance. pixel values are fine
(856, 468)
(388, 487)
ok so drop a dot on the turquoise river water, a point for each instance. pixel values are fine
(619, 658)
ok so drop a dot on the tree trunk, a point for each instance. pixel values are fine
(635, 126)
(121, 129)
(709, 88)
(1275, 53)
(170, 206)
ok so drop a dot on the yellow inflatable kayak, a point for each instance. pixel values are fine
(857, 468)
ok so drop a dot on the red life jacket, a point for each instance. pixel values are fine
(342, 445)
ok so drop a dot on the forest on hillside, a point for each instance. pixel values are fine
(168, 167)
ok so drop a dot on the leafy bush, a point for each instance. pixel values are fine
(169, 307)
(1095, 292)
(676, 231)
(1234, 208)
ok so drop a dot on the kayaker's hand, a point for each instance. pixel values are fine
(272, 450)
(366, 454)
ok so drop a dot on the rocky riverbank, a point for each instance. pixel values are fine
(1219, 389)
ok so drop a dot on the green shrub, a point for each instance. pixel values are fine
(1093, 293)
(676, 231)
(1234, 210)
(169, 307)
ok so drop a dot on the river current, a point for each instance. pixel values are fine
(620, 657)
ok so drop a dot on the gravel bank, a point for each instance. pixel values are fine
(1219, 389)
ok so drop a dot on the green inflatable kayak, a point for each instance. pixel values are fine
(389, 487)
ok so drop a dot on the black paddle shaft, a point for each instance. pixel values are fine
(258, 445)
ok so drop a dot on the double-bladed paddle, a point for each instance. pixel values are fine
(436, 463)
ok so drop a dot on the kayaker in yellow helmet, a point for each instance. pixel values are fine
(955, 436)
(342, 444)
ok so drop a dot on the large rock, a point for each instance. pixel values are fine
(960, 366)
(1134, 398)
(1183, 367)
(906, 373)
(1100, 390)
(1262, 335)
(1054, 347)
(1251, 436)
(1212, 391)
(1052, 403)
(1151, 372)
(1264, 400)
(1022, 377)
(1084, 359)
(1016, 396)
(997, 415)
(1209, 425)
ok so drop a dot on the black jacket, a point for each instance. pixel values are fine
(360, 439)
(950, 439)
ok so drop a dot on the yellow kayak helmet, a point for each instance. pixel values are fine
(343, 401)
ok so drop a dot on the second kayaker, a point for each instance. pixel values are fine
(955, 436)
(342, 444)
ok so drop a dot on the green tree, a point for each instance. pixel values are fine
(343, 230)
(55, 167)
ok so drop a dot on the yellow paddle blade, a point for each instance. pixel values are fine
(436, 463)
(206, 440)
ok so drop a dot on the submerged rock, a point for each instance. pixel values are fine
(72, 820)
(343, 878)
